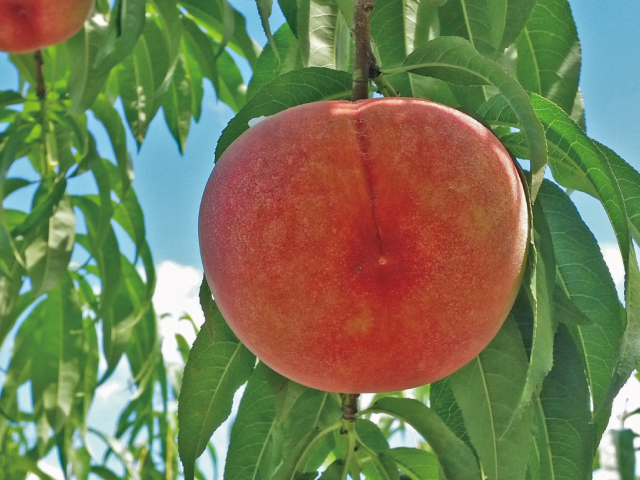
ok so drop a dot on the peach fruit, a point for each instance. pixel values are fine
(28, 25)
(366, 246)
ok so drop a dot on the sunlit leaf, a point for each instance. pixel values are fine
(137, 90)
(488, 395)
(475, 21)
(455, 458)
(323, 35)
(443, 402)
(125, 27)
(112, 122)
(253, 427)
(419, 464)
(304, 425)
(49, 253)
(86, 80)
(549, 53)
(540, 289)
(129, 215)
(177, 104)
(268, 66)
(585, 278)
(288, 90)
(208, 13)
(563, 429)
(55, 330)
(218, 365)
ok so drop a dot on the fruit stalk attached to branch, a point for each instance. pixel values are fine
(40, 89)
(365, 66)
(350, 406)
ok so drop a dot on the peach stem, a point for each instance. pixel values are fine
(365, 66)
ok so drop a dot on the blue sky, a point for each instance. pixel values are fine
(169, 186)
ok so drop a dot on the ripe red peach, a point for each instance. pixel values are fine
(28, 25)
(366, 246)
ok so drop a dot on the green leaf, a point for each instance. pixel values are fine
(517, 15)
(564, 433)
(48, 196)
(104, 473)
(122, 453)
(455, 458)
(201, 48)
(194, 72)
(388, 25)
(55, 330)
(575, 149)
(454, 60)
(475, 21)
(112, 122)
(290, 10)
(137, 89)
(103, 223)
(334, 471)
(128, 213)
(540, 290)
(313, 415)
(218, 364)
(585, 279)
(168, 26)
(443, 402)
(381, 467)
(267, 67)
(549, 53)
(48, 255)
(490, 25)
(421, 23)
(86, 81)
(625, 453)
(123, 332)
(264, 9)
(89, 379)
(286, 91)
(370, 435)
(629, 181)
(178, 103)
(323, 35)
(108, 259)
(488, 395)
(417, 464)
(125, 27)
(231, 87)
(565, 310)
(372, 448)
(9, 97)
(208, 14)
(253, 428)
(12, 305)
(630, 346)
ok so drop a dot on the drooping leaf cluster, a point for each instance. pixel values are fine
(533, 405)
(75, 302)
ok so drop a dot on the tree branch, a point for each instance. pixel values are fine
(365, 66)
(40, 90)
(350, 407)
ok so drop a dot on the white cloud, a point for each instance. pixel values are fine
(112, 389)
(176, 294)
